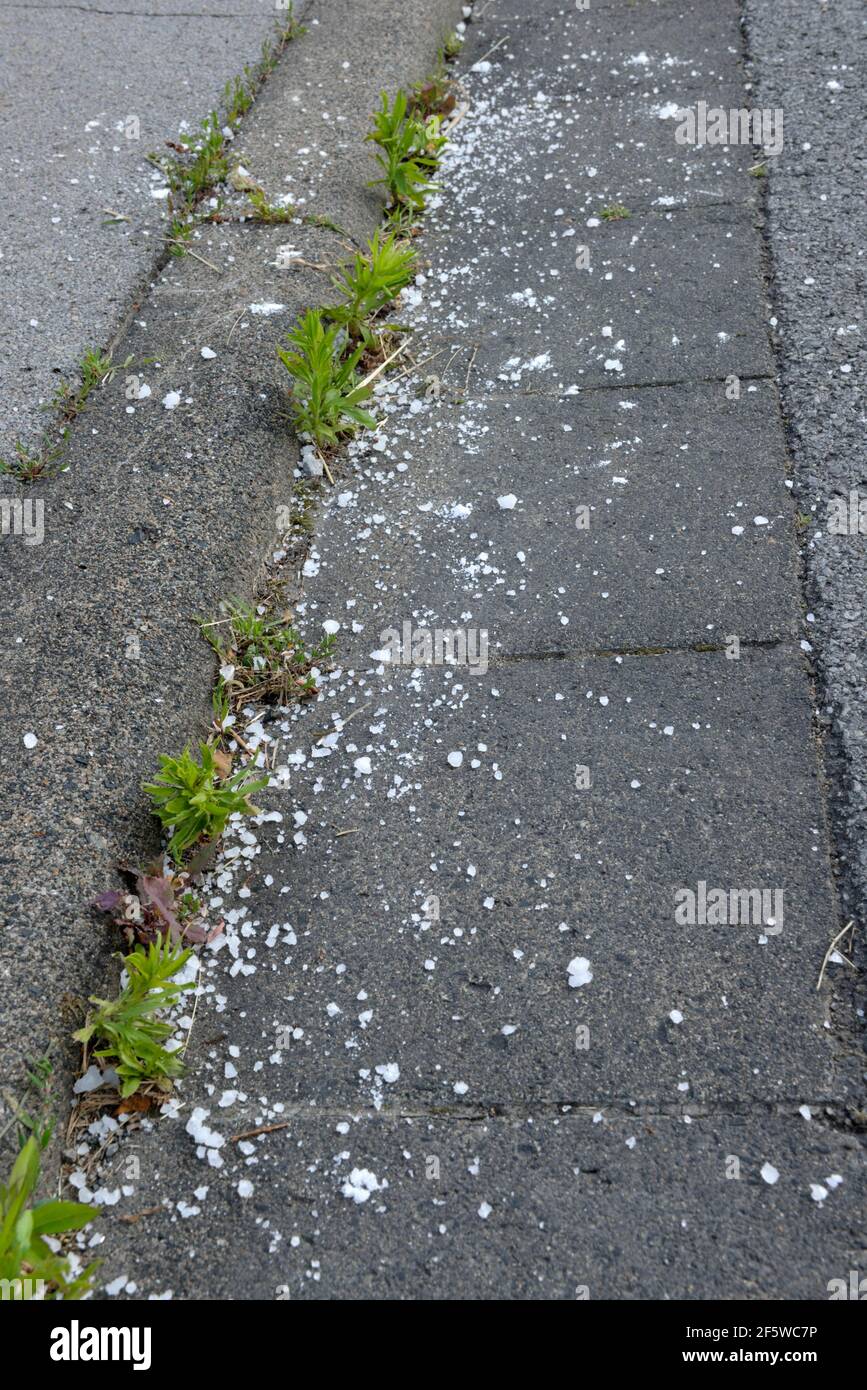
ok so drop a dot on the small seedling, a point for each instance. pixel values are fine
(180, 233)
(27, 465)
(29, 1114)
(614, 212)
(190, 798)
(409, 154)
(269, 212)
(28, 1266)
(156, 907)
(132, 1036)
(96, 369)
(452, 47)
(270, 659)
(202, 163)
(371, 283)
(432, 98)
(222, 709)
(325, 391)
(238, 96)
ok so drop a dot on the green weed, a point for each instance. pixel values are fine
(189, 798)
(29, 464)
(202, 163)
(371, 283)
(29, 1114)
(239, 94)
(270, 658)
(132, 1036)
(96, 369)
(325, 387)
(269, 212)
(408, 154)
(28, 1265)
(288, 29)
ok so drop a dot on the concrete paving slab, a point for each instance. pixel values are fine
(469, 998)
(663, 51)
(161, 514)
(666, 297)
(599, 151)
(580, 1205)
(633, 522)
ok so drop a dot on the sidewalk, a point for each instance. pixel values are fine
(90, 88)
(491, 1059)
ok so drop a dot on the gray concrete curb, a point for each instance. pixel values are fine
(162, 513)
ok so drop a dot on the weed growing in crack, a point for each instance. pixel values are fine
(29, 464)
(370, 284)
(269, 212)
(452, 47)
(614, 212)
(409, 149)
(239, 94)
(96, 369)
(28, 1266)
(432, 98)
(195, 801)
(325, 386)
(262, 658)
(201, 164)
(156, 906)
(288, 29)
(29, 1114)
(131, 1034)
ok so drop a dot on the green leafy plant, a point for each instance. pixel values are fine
(614, 212)
(131, 1034)
(269, 658)
(189, 798)
(325, 387)
(28, 1265)
(371, 283)
(408, 154)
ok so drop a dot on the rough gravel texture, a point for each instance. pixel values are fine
(809, 59)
